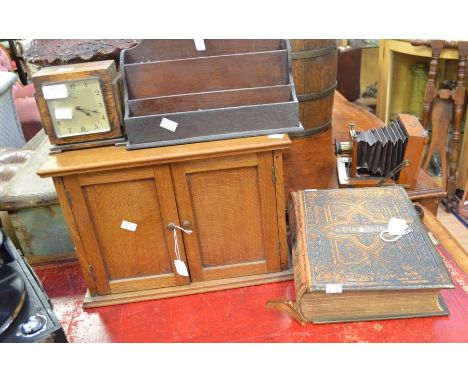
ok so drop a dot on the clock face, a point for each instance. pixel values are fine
(77, 107)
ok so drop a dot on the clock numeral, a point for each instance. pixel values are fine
(104, 117)
(99, 104)
(97, 92)
(59, 123)
(72, 86)
(96, 126)
(69, 129)
(83, 129)
(86, 84)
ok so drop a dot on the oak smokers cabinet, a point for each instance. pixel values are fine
(119, 205)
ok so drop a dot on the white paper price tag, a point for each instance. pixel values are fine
(65, 70)
(333, 288)
(199, 44)
(276, 136)
(55, 91)
(181, 268)
(65, 113)
(397, 226)
(129, 226)
(168, 124)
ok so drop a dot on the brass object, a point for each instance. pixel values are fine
(343, 148)
(172, 226)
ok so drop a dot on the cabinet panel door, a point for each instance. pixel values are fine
(231, 205)
(121, 217)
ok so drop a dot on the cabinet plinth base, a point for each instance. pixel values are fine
(182, 290)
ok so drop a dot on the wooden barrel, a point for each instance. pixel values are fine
(314, 67)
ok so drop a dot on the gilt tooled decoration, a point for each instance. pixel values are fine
(344, 247)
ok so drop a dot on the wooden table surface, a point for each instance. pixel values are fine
(237, 315)
(311, 162)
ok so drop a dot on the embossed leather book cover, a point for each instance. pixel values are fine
(344, 271)
(342, 231)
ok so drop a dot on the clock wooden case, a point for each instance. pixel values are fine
(80, 104)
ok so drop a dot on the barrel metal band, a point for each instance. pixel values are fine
(311, 132)
(312, 53)
(317, 95)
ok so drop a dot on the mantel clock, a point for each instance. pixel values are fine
(80, 104)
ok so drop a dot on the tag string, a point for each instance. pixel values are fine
(176, 246)
(394, 238)
(176, 243)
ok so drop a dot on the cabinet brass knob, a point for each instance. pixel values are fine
(172, 226)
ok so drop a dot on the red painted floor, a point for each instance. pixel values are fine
(237, 315)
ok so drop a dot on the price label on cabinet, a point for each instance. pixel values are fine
(129, 226)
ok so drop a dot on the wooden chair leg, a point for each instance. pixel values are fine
(441, 117)
(463, 205)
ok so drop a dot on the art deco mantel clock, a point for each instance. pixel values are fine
(80, 104)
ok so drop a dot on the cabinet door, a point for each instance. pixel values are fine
(121, 217)
(230, 204)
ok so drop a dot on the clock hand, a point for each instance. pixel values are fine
(89, 110)
(84, 111)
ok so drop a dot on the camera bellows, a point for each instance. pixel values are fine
(380, 150)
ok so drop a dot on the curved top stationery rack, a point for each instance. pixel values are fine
(177, 94)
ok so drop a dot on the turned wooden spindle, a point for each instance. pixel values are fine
(430, 93)
(458, 96)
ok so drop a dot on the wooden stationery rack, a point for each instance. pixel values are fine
(176, 94)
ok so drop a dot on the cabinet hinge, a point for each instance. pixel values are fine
(273, 174)
(92, 273)
(69, 198)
